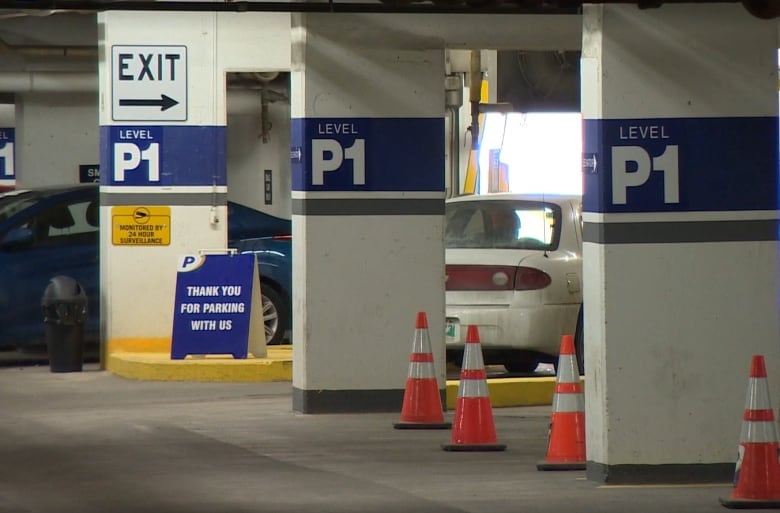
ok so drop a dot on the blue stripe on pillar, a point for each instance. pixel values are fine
(7, 170)
(680, 165)
(367, 154)
(163, 155)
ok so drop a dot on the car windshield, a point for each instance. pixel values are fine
(13, 202)
(502, 224)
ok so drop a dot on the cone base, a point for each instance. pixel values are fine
(422, 425)
(473, 447)
(563, 465)
(750, 504)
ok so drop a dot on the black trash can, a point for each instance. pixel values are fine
(64, 305)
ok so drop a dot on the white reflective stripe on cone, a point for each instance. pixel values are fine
(422, 343)
(473, 388)
(758, 431)
(568, 403)
(418, 370)
(758, 395)
(567, 369)
(472, 359)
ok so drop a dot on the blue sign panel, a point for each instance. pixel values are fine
(7, 173)
(212, 312)
(163, 155)
(680, 165)
(368, 154)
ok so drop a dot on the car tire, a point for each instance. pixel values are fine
(579, 343)
(455, 357)
(522, 363)
(274, 315)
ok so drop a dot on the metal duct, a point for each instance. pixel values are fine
(47, 82)
(239, 100)
(250, 101)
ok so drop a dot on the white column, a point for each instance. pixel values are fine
(179, 165)
(681, 255)
(368, 204)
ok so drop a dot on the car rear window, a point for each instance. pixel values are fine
(13, 202)
(502, 224)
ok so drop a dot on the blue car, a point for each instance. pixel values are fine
(55, 231)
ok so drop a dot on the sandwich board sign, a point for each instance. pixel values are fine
(218, 307)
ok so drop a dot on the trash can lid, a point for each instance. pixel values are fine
(63, 289)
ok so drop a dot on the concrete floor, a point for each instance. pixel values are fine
(95, 442)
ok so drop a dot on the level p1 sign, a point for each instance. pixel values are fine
(218, 307)
(7, 174)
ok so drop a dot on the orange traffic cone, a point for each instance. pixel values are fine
(757, 473)
(566, 444)
(422, 408)
(473, 428)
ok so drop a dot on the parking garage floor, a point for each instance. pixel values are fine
(92, 441)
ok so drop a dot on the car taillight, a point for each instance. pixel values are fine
(495, 277)
(528, 278)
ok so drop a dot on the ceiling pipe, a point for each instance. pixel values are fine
(75, 52)
(47, 82)
(766, 9)
(70, 52)
(266, 76)
(239, 100)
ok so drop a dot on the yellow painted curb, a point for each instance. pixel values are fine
(276, 366)
(505, 392)
(139, 345)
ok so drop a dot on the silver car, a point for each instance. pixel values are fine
(514, 269)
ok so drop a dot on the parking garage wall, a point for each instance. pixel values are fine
(50, 148)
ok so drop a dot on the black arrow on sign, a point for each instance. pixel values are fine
(165, 103)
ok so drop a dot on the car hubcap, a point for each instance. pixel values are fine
(270, 319)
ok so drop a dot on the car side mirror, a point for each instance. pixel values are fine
(16, 238)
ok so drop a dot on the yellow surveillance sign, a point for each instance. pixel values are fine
(141, 226)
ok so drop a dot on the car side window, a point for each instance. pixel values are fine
(74, 222)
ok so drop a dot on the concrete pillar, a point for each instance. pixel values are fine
(51, 148)
(368, 203)
(168, 159)
(680, 228)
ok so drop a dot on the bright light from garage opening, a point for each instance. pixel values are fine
(542, 151)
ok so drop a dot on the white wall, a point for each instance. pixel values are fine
(671, 326)
(49, 147)
(248, 157)
(7, 117)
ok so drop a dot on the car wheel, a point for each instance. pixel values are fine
(522, 364)
(274, 316)
(455, 357)
(579, 343)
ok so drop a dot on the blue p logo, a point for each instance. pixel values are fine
(190, 263)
